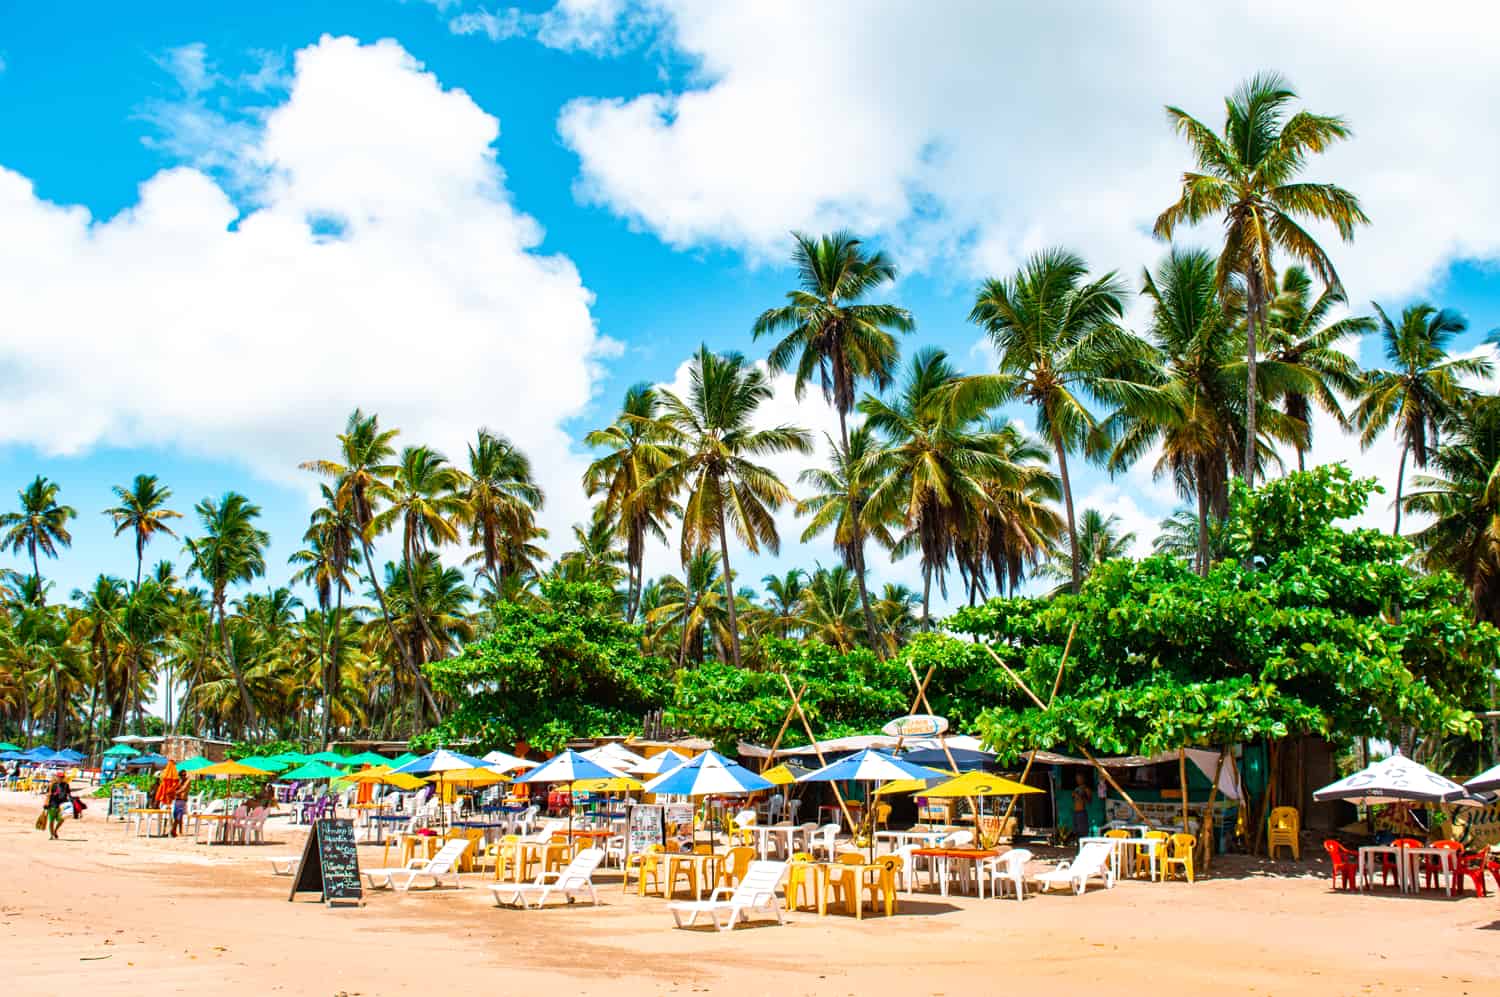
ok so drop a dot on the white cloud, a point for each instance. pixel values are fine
(971, 133)
(595, 26)
(383, 265)
(495, 27)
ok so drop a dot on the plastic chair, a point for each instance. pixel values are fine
(1180, 855)
(844, 881)
(1345, 862)
(741, 825)
(1470, 867)
(647, 864)
(799, 876)
(1283, 830)
(1143, 855)
(1008, 867)
(824, 838)
(736, 863)
(882, 889)
(882, 815)
(1433, 866)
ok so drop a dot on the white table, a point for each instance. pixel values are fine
(1410, 865)
(921, 839)
(764, 831)
(1152, 846)
(1367, 863)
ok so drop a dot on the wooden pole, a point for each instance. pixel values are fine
(785, 723)
(1115, 785)
(1273, 752)
(1056, 684)
(1182, 782)
(923, 701)
(813, 740)
(1208, 815)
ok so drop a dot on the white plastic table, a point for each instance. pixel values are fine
(1411, 879)
(763, 832)
(1367, 863)
(1152, 846)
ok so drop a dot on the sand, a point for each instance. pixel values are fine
(101, 912)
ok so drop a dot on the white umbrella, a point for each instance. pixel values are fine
(499, 761)
(1393, 778)
(708, 774)
(569, 767)
(1487, 781)
(659, 764)
(615, 756)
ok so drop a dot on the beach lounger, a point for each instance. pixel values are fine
(755, 894)
(572, 882)
(440, 867)
(1092, 861)
(285, 865)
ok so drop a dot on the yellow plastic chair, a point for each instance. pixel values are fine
(882, 889)
(845, 882)
(736, 864)
(506, 859)
(1180, 855)
(1283, 830)
(882, 815)
(647, 865)
(798, 876)
(1143, 855)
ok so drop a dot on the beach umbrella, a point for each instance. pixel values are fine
(291, 757)
(11, 756)
(310, 771)
(784, 774)
(146, 761)
(568, 767)
(402, 759)
(1393, 778)
(436, 763)
(272, 765)
(708, 774)
(7, 746)
(614, 755)
(228, 769)
(194, 764)
(382, 775)
(68, 755)
(911, 785)
(980, 784)
(120, 751)
(330, 758)
(619, 784)
(37, 754)
(870, 765)
(499, 761)
(658, 764)
(168, 785)
(1487, 781)
(367, 758)
(483, 776)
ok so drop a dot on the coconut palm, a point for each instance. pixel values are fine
(635, 454)
(1247, 178)
(500, 501)
(1180, 534)
(897, 611)
(1100, 539)
(693, 607)
(143, 510)
(1019, 526)
(784, 602)
(1060, 347)
(838, 504)
(830, 606)
(1296, 335)
(230, 551)
(595, 557)
(725, 488)
(96, 625)
(1423, 389)
(325, 565)
(40, 525)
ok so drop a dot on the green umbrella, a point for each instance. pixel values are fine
(313, 770)
(402, 759)
(7, 746)
(265, 764)
(118, 751)
(193, 764)
(330, 757)
(290, 757)
(367, 758)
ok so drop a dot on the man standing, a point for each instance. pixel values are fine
(1082, 797)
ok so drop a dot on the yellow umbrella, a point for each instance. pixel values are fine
(620, 784)
(470, 777)
(783, 774)
(230, 768)
(382, 775)
(909, 785)
(980, 784)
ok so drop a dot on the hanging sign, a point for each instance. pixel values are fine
(915, 725)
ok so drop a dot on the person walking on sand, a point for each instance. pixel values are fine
(59, 795)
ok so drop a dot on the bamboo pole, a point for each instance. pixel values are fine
(1182, 783)
(1208, 814)
(1116, 786)
(1273, 757)
(813, 740)
(1056, 684)
(785, 723)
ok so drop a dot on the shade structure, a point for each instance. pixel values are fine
(402, 759)
(382, 775)
(980, 784)
(272, 765)
(963, 758)
(331, 758)
(37, 754)
(658, 764)
(121, 751)
(195, 764)
(12, 756)
(150, 761)
(869, 765)
(499, 761)
(441, 760)
(784, 774)
(7, 746)
(311, 771)
(167, 788)
(570, 766)
(708, 774)
(290, 757)
(1393, 778)
(230, 769)
(482, 776)
(366, 758)
(614, 755)
(897, 786)
(1487, 781)
(68, 755)
(619, 784)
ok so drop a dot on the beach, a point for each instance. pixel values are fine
(104, 912)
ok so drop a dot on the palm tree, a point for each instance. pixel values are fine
(1059, 342)
(231, 550)
(830, 608)
(635, 453)
(41, 524)
(595, 558)
(1463, 499)
(831, 332)
(838, 504)
(325, 565)
(96, 624)
(784, 601)
(1019, 526)
(1099, 540)
(897, 610)
(424, 501)
(360, 484)
(500, 501)
(1248, 178)
(1180, 535)
(1296, 335)
(938, 457)
(1191, 405)
(143, 511)
(725, 487)
(1423, 390)
(693, 606)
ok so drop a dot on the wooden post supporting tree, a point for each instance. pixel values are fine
(812, 739)
(1056, 684)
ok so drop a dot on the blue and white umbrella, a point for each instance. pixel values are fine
(569, 766)
(870, 765)
(68, 755)
(441, 760)
(38, 754)
(659, 764)
(708, 774)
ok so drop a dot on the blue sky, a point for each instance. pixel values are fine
(651, 157)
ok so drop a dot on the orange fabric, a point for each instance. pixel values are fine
(167, 788)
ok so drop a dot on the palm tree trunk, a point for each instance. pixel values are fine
(1400, 480)
(926, 594)
(248, 712)
(871, 627)
(1202, 521)
(57, 707)
(734, 621)
(93, 742)
(1252, 317)
(390, 627)
(1067, 486)
(36, 570)
(140, 558)
(416, 610)
(332, 678)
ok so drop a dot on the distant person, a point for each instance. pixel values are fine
(1082, 797)
(59, 795)
(179, 806)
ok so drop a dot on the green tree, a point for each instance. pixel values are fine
(143, 511)
(41, 524)
(1100, 539)
(693, 607)
(1060, 344)
(784, 601)
(1422, 390)
(230, 551)
(1247, 178)
(500, 501)
(325, 564)
(714, 428)
(1018, 527)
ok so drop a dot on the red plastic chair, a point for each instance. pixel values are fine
(1470, 867)
(1433, 866)
(1492, 863)
(1345, 864)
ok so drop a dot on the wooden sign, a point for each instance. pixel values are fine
(915, 725)
(330, 863)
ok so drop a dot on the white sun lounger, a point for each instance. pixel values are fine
(1092, 861)
(756, 894)
(573, 882)
(438, 868)
(285, 865)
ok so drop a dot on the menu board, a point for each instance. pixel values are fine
(330, 863)
(680, 814)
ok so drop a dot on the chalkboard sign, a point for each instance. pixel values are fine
(330, 863)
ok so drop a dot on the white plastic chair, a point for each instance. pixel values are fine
(824, 838)
(572, 882)
(755, 894)
(439, 868)
(1091, 862)
(1007, 868)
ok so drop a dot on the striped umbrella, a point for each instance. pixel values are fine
(500, 762)
(708, 774)
(870, 765)
(568, 767)
(659, 764)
